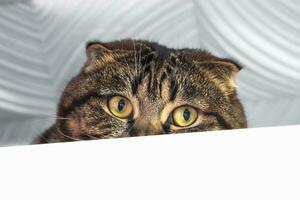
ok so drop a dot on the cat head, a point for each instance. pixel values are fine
(132, 88)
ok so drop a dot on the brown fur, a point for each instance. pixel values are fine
(156, 80)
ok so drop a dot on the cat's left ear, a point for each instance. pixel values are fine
(222, 71)
(228, 69)
(97, 54)
(232, 65)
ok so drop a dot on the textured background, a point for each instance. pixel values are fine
(42, 47)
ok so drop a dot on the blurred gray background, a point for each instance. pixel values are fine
(42, 47)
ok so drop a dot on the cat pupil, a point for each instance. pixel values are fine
(121, 104)
(186, 114)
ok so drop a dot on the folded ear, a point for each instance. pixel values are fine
(223, 67)
(100, 53)
(228, 68)
(234, 66)
(222, 72)
(97, 54)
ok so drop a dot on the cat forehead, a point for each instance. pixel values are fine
(128, 63)
(133, 61)
(157, 78)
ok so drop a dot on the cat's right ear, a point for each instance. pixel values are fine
(97, 54)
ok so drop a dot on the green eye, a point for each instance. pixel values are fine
(120, 106)
(184, 116)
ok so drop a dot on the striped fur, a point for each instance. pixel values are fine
(156, 80)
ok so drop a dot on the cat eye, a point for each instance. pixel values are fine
(120, 107)
(184, 116)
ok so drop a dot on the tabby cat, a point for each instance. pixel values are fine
(137, 88)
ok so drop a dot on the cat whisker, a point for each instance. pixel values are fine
(140, 56)
(124, 56)
(91, 136)
(134, 51)
(98, 135)
(72, 138)
(49, 118)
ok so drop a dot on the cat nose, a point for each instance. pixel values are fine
(145, 127)
(153, 128)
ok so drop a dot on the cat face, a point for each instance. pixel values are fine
(134, 88)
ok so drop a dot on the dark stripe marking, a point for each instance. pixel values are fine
(134, 85)
(78, 102)
(162, 78)
(173, 89)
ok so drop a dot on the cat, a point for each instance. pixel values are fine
(138, 88)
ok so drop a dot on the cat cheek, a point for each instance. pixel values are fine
(75, 127)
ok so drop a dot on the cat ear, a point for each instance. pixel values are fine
(223, 72)
(232, 65)
(97, 54)
(227, 70)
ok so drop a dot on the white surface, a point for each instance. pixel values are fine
(42, 46)
(229, 165)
